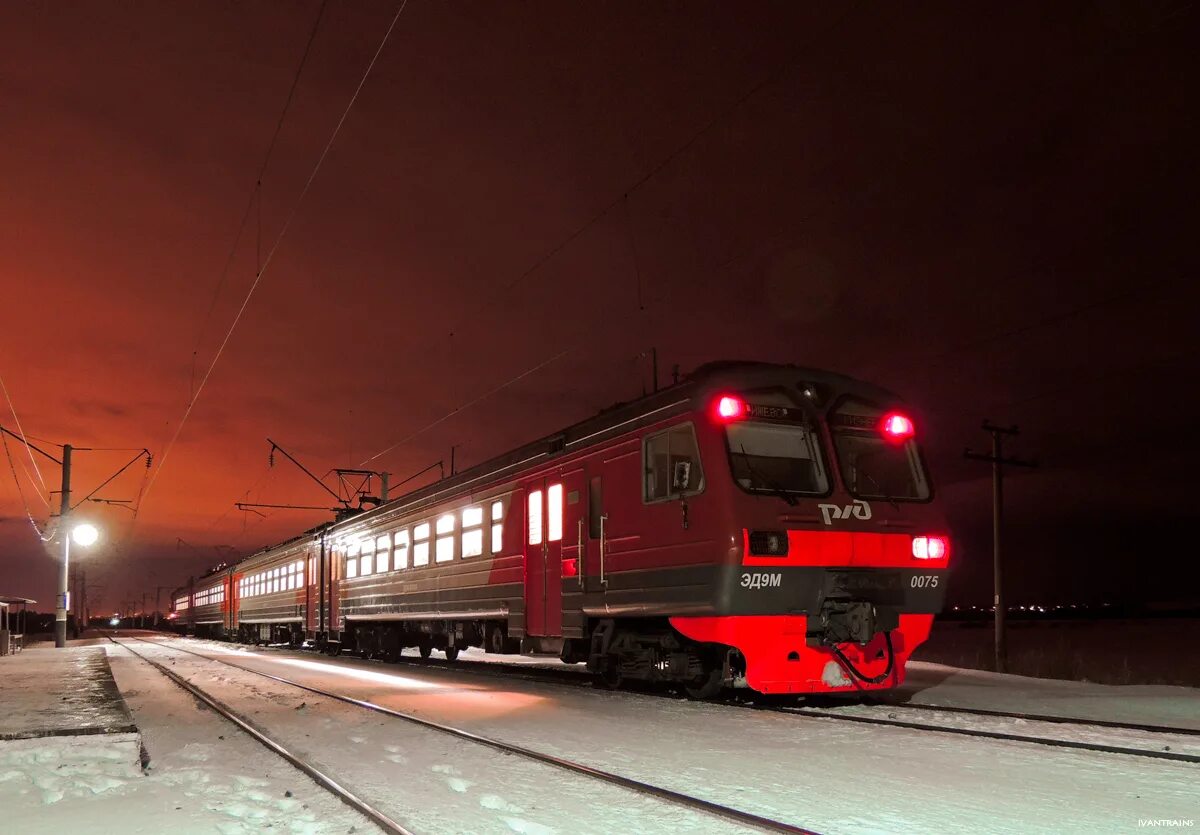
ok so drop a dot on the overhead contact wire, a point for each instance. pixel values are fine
(275, 246)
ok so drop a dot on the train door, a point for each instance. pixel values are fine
(544, 517)
(311, 617)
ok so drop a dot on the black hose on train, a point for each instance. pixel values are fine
(854, 671)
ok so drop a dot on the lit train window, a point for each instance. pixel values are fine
(445, 544)
(421, 544)
(383, 547)
(554, 511)
(401, 549)
(351, 567)
(445, 548)
(535, 517)
(497, 527)
(472, 535)
(366, 563)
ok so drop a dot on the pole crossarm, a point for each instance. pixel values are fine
(34, 447)
(109, 480)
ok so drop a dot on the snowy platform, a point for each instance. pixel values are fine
(60, 692)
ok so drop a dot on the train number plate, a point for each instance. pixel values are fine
(761, 580)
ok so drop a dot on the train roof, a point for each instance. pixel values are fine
(620, 417)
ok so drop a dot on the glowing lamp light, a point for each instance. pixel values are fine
(85, 534)
(897, 428)
(930, 547)
(114, 622)
(730, 408)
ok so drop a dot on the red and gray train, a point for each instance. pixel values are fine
(754, 525)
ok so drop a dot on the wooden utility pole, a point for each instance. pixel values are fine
(998, 462)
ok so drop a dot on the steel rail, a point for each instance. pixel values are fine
(679, 798)
(978, 732)
(570, 679)
(1041, 717)
(325, 781)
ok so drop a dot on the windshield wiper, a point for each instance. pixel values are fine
(774, 488)
(882, 494)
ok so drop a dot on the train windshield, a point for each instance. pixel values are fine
(875, 467)
(780, 455)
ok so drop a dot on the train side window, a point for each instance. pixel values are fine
(497, 527)
(672, 464)
(554, 513)
(445, 541)
(472, 534)
(421, 544)
(366, 563)
(383, 547)
(401, 549)
(535, 517)
(595, 506)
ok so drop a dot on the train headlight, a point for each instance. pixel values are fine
(768, 543)
(930, 547)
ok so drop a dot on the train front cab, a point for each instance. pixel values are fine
(837, 556)
(783, 534)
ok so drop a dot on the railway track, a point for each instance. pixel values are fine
(1040, 717)
(698, 804)
(885, 717)
(319, 777)
(882, 714)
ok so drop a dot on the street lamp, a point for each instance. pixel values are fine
(85, 534)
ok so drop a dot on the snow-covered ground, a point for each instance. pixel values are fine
(1145, 704)
(831, 776)
(203, 775)
(428, 781)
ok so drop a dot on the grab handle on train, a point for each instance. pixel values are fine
(603, 543)
(579, 554)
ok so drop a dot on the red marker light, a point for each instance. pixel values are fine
(930, 547)
(897, 428)
(730, 408)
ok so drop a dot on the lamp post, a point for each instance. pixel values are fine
(84, 534)
(87, 533)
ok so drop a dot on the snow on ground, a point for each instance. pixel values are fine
(1146, 704)
(204, 776)
(63, 770)
(834, 777)
(427, 780)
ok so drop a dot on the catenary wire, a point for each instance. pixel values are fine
(274, 247)
(24, 440)
(256, 192)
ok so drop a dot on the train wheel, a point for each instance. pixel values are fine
(495, 640)
(451, 653)
(610, 677)
(425, 646)
(705, 686)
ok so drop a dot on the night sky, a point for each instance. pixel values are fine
(990, 210)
